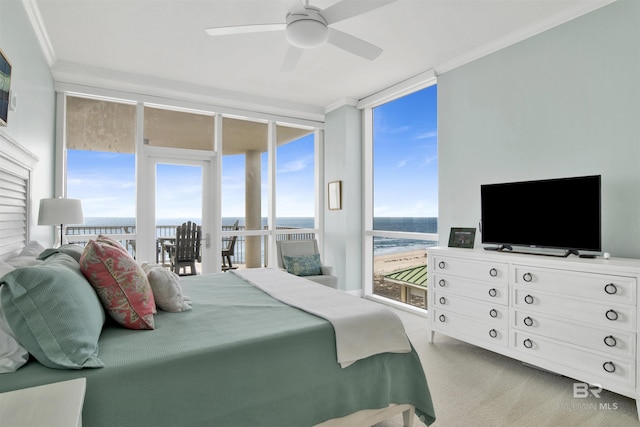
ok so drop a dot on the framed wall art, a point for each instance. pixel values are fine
(335, 195)
(5, 84)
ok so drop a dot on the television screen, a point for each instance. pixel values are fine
(555, 213)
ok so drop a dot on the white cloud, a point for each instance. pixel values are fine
(428, 160)
(426, 135)
(296, 165)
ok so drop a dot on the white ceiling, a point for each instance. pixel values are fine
(161, 44)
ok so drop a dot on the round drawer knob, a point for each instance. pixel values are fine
(609, 367)
(493, 292)
(443, 300)
(493, 333)
(493, 313)
(442, 318)
(528, 299)
(442, 282)
(442, 264)
(527, 277)
(527, 343)
(611, 289)
(612, 315)
(610, 341)
(528, 321)
(493, 272)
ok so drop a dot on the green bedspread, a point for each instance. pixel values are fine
(239, 358)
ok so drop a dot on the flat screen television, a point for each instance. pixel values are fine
(559, 213)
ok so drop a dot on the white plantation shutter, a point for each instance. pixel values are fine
(16, 164)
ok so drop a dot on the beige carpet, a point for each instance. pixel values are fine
(475, 387)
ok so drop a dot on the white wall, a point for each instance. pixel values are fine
(343, 228)
(33, 123)
(563, 103)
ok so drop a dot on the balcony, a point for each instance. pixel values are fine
(126, 235)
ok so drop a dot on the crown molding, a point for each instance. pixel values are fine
(340, 103)
(35, 18)
(429, 77)
(581, 8)
(66, 73)
(405, 87)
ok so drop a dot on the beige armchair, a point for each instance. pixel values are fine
(301, 257)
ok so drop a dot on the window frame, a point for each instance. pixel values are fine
(217, 112)
(369, 233)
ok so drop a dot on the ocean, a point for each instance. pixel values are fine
(381, 245)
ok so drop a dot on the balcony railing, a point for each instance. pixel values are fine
(126, 235)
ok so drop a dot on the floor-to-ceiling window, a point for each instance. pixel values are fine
(178, 146)
(295, 184)
(173, 153)
(404, 199)
(244, 167)
(100, 166)
(246, 148)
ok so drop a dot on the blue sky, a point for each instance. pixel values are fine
(405, 156)
(405, 178)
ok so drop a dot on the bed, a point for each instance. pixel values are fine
(239, 357)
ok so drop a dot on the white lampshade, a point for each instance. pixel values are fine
(60, 211)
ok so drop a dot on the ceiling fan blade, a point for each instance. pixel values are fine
(295, 6)
(350, 8)
(353, 44)
(242, 29)
(291, 59)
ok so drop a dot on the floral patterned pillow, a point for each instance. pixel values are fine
(121, 284)
(303, 265)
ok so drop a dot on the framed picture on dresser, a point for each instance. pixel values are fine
(462, 237)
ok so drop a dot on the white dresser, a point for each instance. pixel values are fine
(574, 316)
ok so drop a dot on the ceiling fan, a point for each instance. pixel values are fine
(307, 27)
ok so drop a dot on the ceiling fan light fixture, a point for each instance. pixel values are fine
(307, 30)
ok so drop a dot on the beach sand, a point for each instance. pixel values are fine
(385, 264)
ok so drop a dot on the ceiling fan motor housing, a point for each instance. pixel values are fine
(307, 30)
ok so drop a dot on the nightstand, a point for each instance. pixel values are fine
(57, 404)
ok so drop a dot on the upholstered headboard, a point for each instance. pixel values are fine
(16, 166)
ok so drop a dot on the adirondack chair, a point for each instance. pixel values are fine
(185, 252)
(229, 251)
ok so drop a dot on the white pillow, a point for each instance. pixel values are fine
(32, 249)
(23, 261)
(166, 288)
(12, 354)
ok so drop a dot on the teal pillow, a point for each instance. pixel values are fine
(75, 251)
(54, 313)
(303, 265)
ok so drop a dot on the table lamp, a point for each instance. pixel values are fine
(60, 211)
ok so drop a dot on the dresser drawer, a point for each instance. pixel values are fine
(493, 272)
(489, 292)
(610, 341)
(492, 313)
(605, 367)
(603, 287)
(613, 316)
(491, 334)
